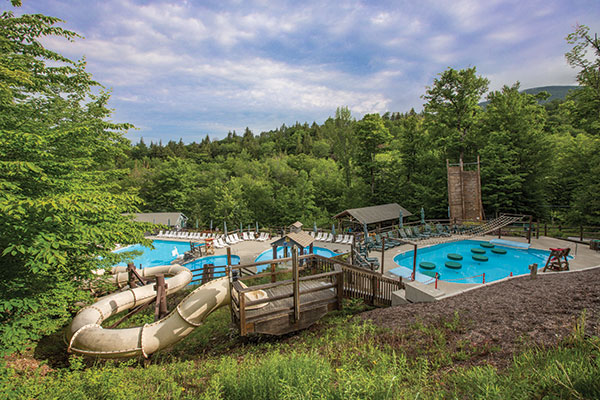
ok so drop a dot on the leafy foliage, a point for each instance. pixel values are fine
(59, 197)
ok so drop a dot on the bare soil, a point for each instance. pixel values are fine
(504, 317)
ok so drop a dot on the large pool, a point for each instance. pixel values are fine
(162, 254)
(501, 262)
(268, 255)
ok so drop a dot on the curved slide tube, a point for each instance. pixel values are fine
(86, 335)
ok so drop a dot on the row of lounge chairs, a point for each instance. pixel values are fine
(328, 237)
(219, 240)
(428, 231)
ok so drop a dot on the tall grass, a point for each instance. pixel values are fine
(341, 359)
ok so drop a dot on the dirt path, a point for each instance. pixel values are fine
(508, 314)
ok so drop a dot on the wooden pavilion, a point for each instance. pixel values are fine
(374, 216)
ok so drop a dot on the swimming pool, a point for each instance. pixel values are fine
(268, 255)
(162, 254)
(445, 259)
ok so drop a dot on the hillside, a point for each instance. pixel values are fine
(556, 93)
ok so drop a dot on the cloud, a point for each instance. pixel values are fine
(187, 68)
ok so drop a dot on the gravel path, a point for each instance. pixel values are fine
(512, 313)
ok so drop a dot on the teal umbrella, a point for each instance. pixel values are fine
(256, 226)
(315, 227)
(333, 229)
(241, 227)
(196, 223)
(401, 220)
(422, 216)
(211, 224)
(225, 227)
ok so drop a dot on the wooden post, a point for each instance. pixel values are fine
(296, 284)
(382, 252)
(374, 287)
(274, 265)
(160, 308)
(352, 248)
(529, 229)
(414, 273)
(499, 233)
(340, 285)
(229, 256)
(242, 298)
(131, 275)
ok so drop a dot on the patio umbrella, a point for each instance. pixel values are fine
(448, 212)
(211, 224)
(422, 216)
(196, 223)
(225, 227)
(333, 229)
(256, 226)
(248, 228)
(400, 220)
(241, 227)
(315, 227)
(366, 231)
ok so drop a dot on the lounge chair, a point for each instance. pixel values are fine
(418, 234)
(319, 237)
(339, 239)
(328, 238)
(312, 233)
(245, 236)
(441, 230)
(251, 236)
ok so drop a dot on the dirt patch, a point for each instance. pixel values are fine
(508, 315)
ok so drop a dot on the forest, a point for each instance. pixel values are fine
(69, 177)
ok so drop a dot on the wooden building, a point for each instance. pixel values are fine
(374, 216)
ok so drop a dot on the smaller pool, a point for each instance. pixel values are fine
(465, 262)
(162, 254)
(197, 266)
(268, 255)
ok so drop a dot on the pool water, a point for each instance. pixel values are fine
(497, 267)
(162, 254)
(268, 255)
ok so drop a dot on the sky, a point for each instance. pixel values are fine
(189, 68)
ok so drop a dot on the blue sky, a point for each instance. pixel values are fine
(185, 69)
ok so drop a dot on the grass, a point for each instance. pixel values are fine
(341, 357)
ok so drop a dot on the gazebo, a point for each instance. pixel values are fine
(295, 237)
(382, 215)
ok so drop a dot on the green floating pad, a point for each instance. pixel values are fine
(454, 256)
(499, 251)
(432, 274)
(477, 250)
(479, 257)
(427, 265)
(453, 265)
(486, 245)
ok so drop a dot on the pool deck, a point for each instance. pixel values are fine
(584, 257)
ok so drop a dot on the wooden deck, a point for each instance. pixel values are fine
(316, 298)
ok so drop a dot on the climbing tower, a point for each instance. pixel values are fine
(464, 191)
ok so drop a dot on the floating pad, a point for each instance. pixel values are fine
(454, 256)
(432, 274)
(479, 257)
(427, 265)
(453, 265)
(499, 251)
(486, 245)
(477, 250)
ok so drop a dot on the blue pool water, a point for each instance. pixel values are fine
(160, 255)
(268, 255)
(497, 267)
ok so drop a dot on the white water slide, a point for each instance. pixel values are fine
(87, 336)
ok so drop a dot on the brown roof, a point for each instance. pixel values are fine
(297, 224)
(374, 214)
(300, 239)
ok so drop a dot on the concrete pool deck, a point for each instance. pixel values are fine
(584, 257)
